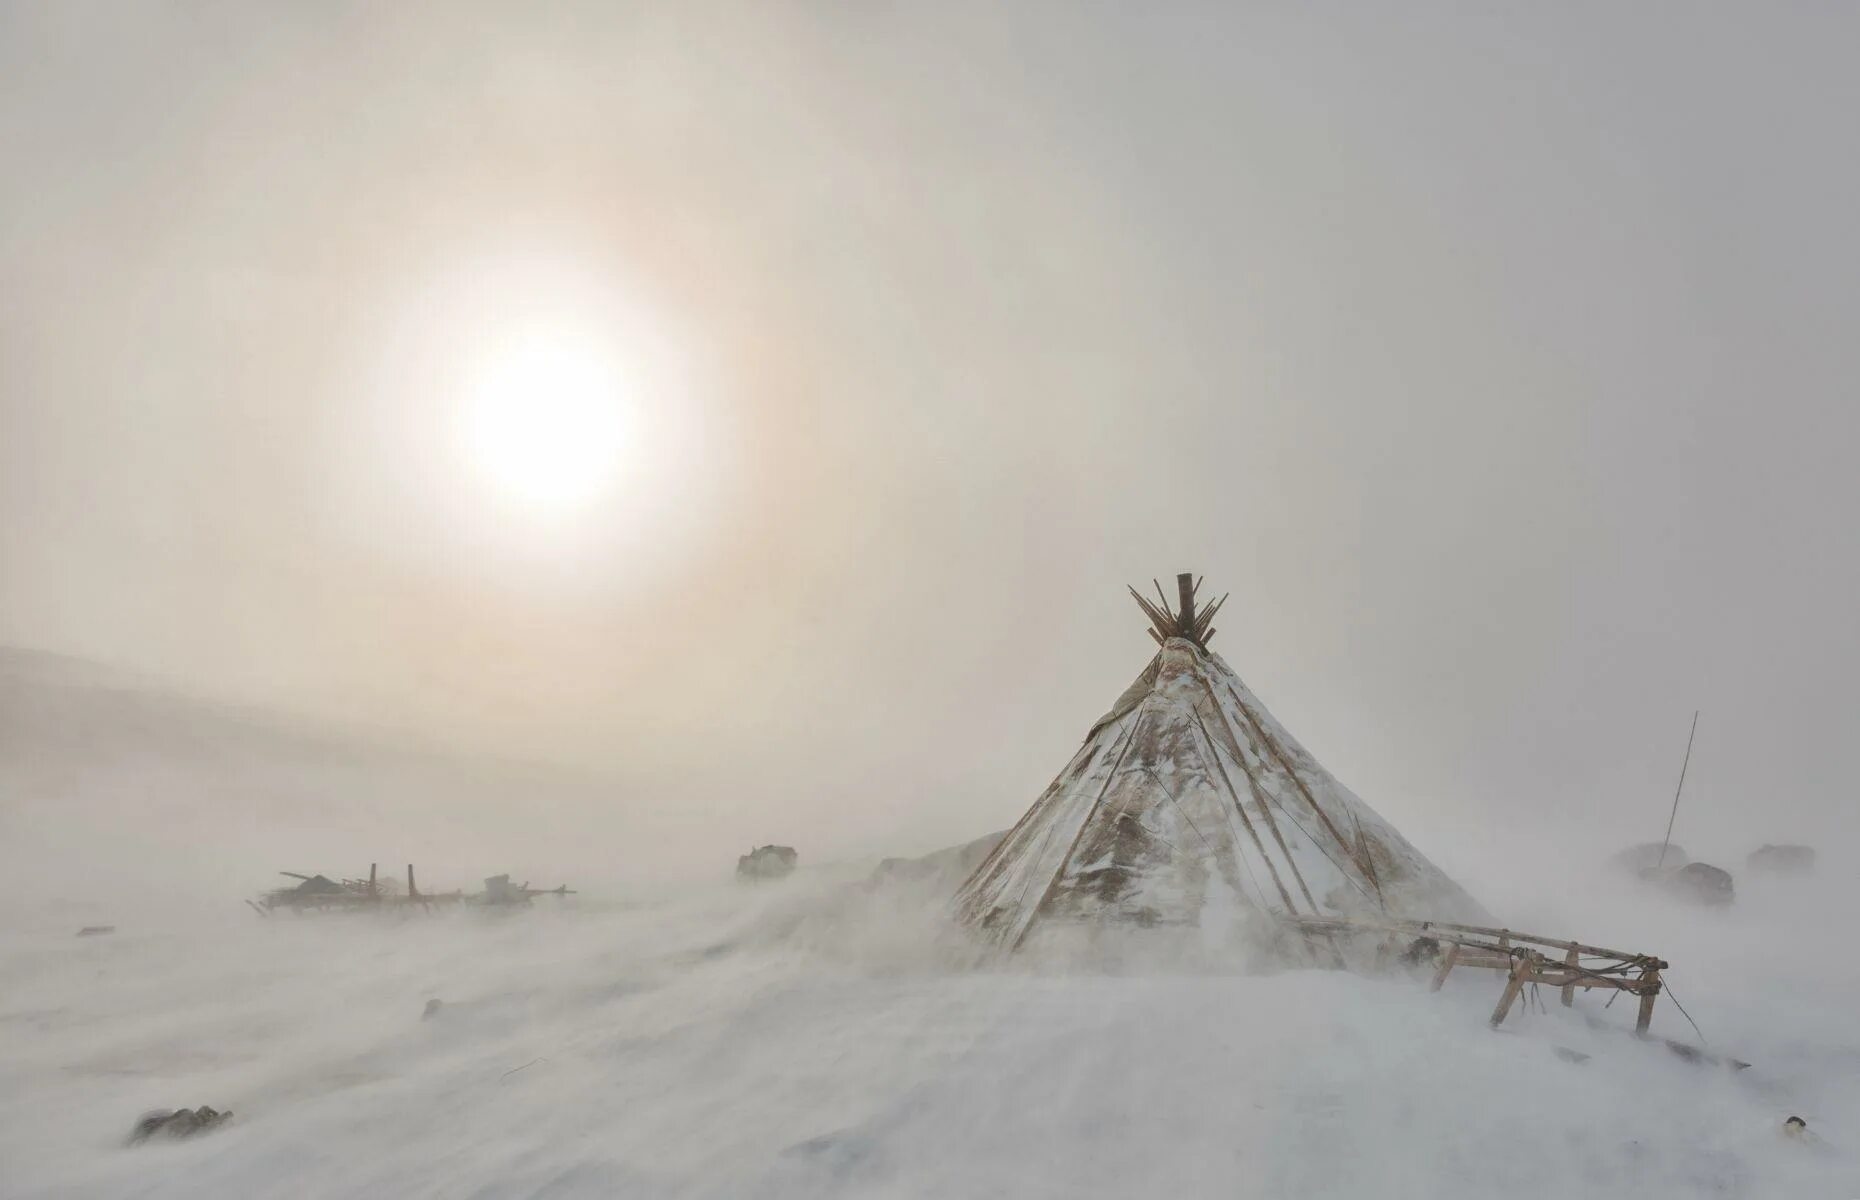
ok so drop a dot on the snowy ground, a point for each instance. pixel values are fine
(805, 1040)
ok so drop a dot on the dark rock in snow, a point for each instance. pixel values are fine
(1638, 859)
(181, 1123)
(1698, 882)
(432, 1008)
(766, 862)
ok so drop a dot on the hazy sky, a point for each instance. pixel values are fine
(1498, 358)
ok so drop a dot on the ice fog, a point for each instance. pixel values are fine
(673, 1033)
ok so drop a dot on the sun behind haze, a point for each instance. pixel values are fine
(750, 391)
(547, 420)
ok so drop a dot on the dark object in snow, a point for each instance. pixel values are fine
(1691, 1054)
(1700, 883)
(1782, 860)
(766, 862)
(94, 930)
(432, 1008)
(181, 1123)
(498, 890)
(1422, 952)
(842, 1151)
(1639, 859)
(1568, 1055)
(320, 893)
(314, 885)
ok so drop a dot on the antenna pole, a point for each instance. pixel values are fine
(1674, 815)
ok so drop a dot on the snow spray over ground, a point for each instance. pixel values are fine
(817, 1039)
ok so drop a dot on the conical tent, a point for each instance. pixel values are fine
(1189, 797)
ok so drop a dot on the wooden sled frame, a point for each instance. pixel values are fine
(355, 894)
(1526, 958)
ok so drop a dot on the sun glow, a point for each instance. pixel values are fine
(547, 422)
(538, 414)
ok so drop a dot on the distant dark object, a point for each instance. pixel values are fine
(1637, 860)
(311, 892)
(94, 930)
(1700, 883)
(498, 890)
(1782, 860)
(766, 862)
(320, 894)
(180, 1123)
(432, 1008)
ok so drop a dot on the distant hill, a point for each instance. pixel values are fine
(110, 779)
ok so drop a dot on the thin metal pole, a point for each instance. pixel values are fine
(1671, 817)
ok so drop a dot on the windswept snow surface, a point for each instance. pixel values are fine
(813, 1039)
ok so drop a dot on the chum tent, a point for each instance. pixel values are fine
(1188, 799)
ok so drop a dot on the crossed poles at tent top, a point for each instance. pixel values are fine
(1186, 621)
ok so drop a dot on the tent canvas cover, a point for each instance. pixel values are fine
(1188, 799)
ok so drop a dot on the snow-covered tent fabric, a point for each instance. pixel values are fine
(1189, 796)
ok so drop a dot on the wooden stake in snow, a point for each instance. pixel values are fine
(1674, 815)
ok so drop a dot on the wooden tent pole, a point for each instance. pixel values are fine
(1674, 815)
(1278, 755)
(1162, 600)
(1204, 621)
(1265, 808)
(1159, 617)
(990, 866)
(1130, 739)
(1214, 752)
(1369, 861)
